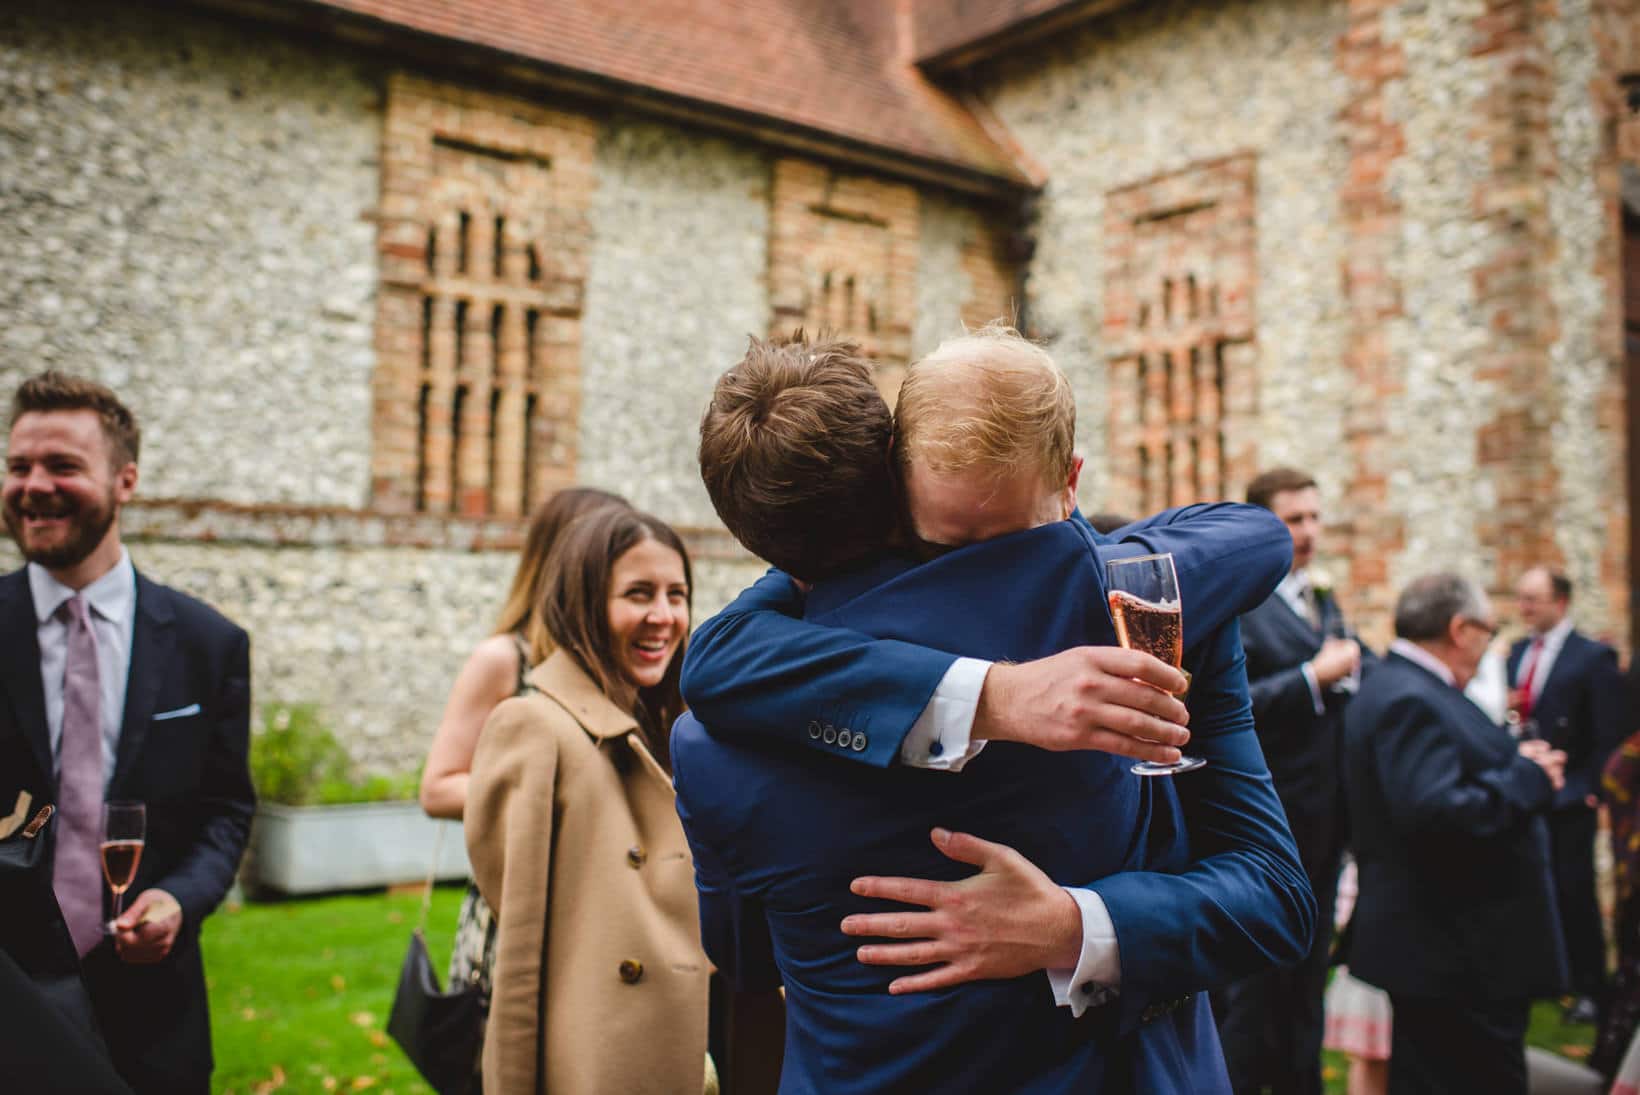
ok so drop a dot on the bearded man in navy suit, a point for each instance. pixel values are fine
(1566, 689)
(1196, 879)
(113, 687)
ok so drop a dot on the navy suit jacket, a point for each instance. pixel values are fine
(755, 672)
(1582, 709)
(1456, 900)
(778, 834)
(190, 770)
(1305, 750)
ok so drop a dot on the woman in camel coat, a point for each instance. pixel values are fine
(600, 983)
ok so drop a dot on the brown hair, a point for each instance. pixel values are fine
(519, 614)
(794, 450)
(575, 609)
(1265, 486)
(55, 391)
(992, 400)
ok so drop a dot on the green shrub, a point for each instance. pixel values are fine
(296, 760)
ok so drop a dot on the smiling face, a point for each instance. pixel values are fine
(950, 509)
(62, 493)
(648, 611)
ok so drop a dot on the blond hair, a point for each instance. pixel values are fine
(988, 400)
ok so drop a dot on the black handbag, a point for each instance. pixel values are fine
(441, 1032)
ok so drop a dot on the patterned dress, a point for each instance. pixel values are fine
(1620, 788)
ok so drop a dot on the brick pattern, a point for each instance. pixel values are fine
(1617, 39)
(1372, 531)
(1180, 334)
(843, 259)
(993, 277)
(484, 241)
(1515, 449)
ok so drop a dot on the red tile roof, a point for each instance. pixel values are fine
(953, 32)
(831, 66)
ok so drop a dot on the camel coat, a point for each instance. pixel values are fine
(600, 980)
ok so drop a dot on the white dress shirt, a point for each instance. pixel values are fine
(942, 739)
(1416, 654)
(1292, 590)
(112, 600)
(1548, 653)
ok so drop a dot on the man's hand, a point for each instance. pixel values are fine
(143, 942)
(1089, 697)
(1337, 659)
(1008, 920)
(1551, 760)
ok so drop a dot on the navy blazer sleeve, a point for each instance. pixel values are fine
(201, 879)
(1603, 704)
(1243, 902)
(1427, 791)
(756, 670)
(734, 929)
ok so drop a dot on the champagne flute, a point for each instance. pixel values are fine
(1145, 605)
(124, 830)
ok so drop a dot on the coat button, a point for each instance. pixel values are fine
(635, 857)
(859, 745)
(814, 730)
(631, 971)
(844, 737)
(829, 734)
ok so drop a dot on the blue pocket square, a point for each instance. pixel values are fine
(179, 713)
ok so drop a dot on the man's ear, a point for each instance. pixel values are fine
(1071, 480)
(1454, 630)
(125, 482)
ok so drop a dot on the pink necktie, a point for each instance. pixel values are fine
(77, 871)
(1529, 670)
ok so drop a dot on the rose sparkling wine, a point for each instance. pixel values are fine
(1149, 616)
(119, 862)
(1158, 630)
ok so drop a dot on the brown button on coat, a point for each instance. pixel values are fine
(600, 980)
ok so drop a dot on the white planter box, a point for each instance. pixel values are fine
(314, 849)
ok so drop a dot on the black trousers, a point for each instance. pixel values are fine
(1271, 1024)
(1454, 1047)
(1571, 844)
(154, 1018)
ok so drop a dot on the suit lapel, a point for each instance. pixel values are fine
(1571, 652)
(20, 673)
(152, 640)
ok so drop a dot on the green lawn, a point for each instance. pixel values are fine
(300, 991)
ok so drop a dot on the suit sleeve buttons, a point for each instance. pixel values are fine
(829, 734)
(859, 743)
(814, 730)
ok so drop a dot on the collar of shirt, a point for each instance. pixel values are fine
(1292, 589)
(112, 595)
(1555, 637)
(1416, 654)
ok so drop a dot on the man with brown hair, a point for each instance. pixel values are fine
(1302, 665)
(778, 836)
(113, 687)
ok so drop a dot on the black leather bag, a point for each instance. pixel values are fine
(441, 1032)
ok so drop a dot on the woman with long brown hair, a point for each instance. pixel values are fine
(600, 983)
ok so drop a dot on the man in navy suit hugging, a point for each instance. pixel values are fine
(1175, 886)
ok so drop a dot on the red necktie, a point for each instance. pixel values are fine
(77, 866)
(1533, 653)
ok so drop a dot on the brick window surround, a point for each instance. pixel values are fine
(843, 260)
(1179, 331)
(483, 249)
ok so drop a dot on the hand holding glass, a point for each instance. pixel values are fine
(124, 830)
(1149, 616)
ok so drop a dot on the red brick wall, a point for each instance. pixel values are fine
(484, 244)
(1179, 331)
(843, 259)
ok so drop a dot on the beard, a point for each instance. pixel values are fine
(87, 527)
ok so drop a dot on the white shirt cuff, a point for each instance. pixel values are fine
(942, 736)
(1315, 688)
(1098, 973)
